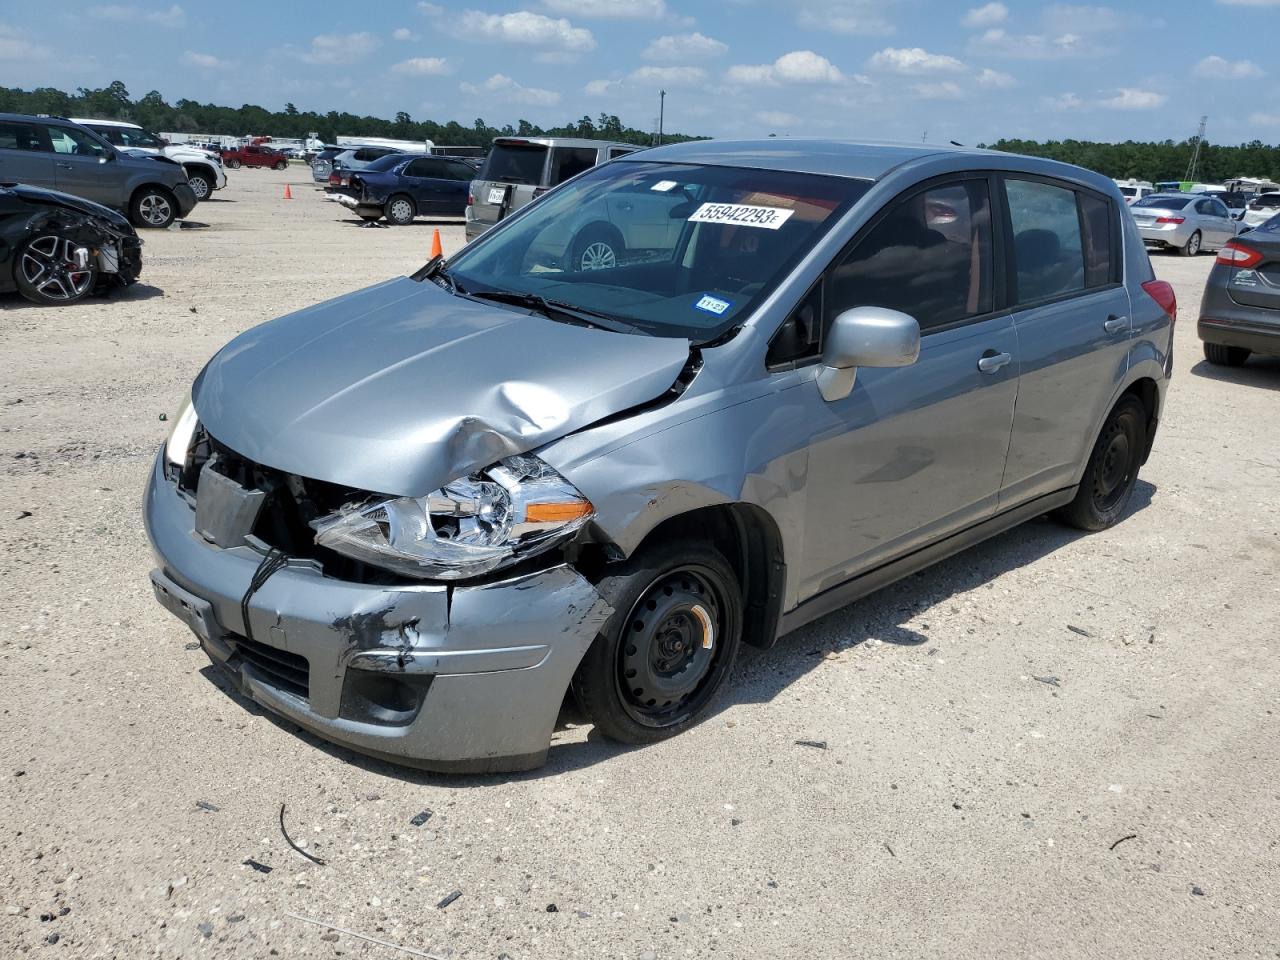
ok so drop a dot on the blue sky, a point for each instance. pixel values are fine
(890, 69)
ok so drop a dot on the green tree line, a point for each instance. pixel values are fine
(1165, 160)
(153, 112)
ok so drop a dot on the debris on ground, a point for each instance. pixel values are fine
(1051, 681)
(1197, 892)
(206, 929)
(449, 899)
(552, 908)
(422, 818)
(1079, 630)
(1131, 836)
(206, 806)
(816, 744)
(361, 936)
(891, 853)
(260, 867)
(289, 840)
(23, 514)
(164, 417)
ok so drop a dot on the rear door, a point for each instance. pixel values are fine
(512, 172)
(1214, 222)
(424, 178)
(85, 166)
(25, 154)
(1073, 327)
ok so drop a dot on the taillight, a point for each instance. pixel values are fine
(1162, 293)
(471, 199)
(1171, 219)
(334, 180)
(1236, 254)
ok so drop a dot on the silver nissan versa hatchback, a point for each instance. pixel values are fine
(411, 518)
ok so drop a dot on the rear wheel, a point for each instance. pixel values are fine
(201, 183)
(54, 270)
(1225, 356)
(281, 165)
(1107, 485)
(595, 248)
(400, 210)
(668, 648)
(153, 207)
(233, 164)
(1192, 246)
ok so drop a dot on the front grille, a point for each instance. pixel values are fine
(280, 668)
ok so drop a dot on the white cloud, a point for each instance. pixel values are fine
(914, 60)
(856, 17)
(1069, 18)
(998, 42)
(601, 88)
(777, 118)
(205, 61)
(799, 66)
(611, 9)
(685, 46)
(1131, 98)
(995, 80)
(512, 92)
(986, 16)
(1065, 101)
(527, 28)
(430, 9)
(173, 16)
(403, 33)
(1250, 3)
(944, 90)
(339, 48)
(669, 76)
(1265, 119)
(423, 67)
(16, 48)
(1218, 68)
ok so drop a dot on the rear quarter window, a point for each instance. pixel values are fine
(567, 162)
(16, 135)
(515, 163)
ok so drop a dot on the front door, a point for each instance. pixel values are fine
(24, 154)
(82, 165)
(914, 453)
(1073, 326)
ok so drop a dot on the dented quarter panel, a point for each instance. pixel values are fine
(402, 387)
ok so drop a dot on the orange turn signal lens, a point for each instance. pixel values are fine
(557, 512)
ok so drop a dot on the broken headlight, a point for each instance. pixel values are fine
(178, 445)
(515, 509)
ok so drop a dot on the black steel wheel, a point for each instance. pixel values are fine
(53, 270)
(1108, 481)
(668, 648)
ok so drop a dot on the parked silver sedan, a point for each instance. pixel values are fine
(1186, 222)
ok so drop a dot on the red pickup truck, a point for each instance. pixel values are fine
(254, 156)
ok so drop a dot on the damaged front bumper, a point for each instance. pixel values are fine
(466, 679)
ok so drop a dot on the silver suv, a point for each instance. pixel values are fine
(518, 170)
(411, 518)
(61, 155)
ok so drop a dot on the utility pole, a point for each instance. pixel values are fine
(1193, 166)
(662, 110)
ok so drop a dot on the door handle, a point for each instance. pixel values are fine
(991, 362)
(1114, 324)
(65, 166)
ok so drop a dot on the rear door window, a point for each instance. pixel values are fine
(19, 135)
(426, 167)
(929, 257)
(568, 162)
(457, 170)
(515, 163)
(1048, 250)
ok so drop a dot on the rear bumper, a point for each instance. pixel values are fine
(1163, 237)
(469, 679)
(476, 229)
(1256, 337)
(1232, 324)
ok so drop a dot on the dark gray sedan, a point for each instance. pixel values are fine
(1240, 310)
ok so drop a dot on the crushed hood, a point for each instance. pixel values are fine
(402, 387)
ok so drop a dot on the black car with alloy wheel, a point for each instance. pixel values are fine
(57, 249)
(1240, 309)
(61, 155)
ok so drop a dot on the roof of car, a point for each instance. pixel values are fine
(860, 160)
(568, 142)
(104, 123)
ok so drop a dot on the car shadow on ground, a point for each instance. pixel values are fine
(759, 675)
(422, 222)
(133, 292)
(1257, 372)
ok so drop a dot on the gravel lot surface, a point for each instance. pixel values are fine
(993, 727)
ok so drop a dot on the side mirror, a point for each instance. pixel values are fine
(107, 157)
(865, 337)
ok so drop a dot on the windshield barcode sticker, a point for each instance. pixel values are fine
(769, 218)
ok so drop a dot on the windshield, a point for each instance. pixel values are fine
(1129, 191)
(515, 163)
(675, 250)
(131, 137)
(1163, 202)
(327, 154)
(1269, 202)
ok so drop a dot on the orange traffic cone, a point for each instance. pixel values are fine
(288, 194)
(436, 249)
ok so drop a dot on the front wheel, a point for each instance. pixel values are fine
(400, 211)
(1224, 356)
(153, 207)
(1192, 246)
(669, 646)
(52, 270)
(1108, 481)
(233, 164)
(201, 184)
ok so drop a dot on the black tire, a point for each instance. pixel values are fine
(1224, 356)
(1192, 246)
(400, 210)
(233, 164)
(597, 247)
(46, 273)
(669, 646)
(153, 207)
(202, 183)
(1108, 481)
(282, 165)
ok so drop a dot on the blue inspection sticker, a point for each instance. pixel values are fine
(710, 304)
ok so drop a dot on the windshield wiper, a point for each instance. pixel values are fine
(556, 310)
